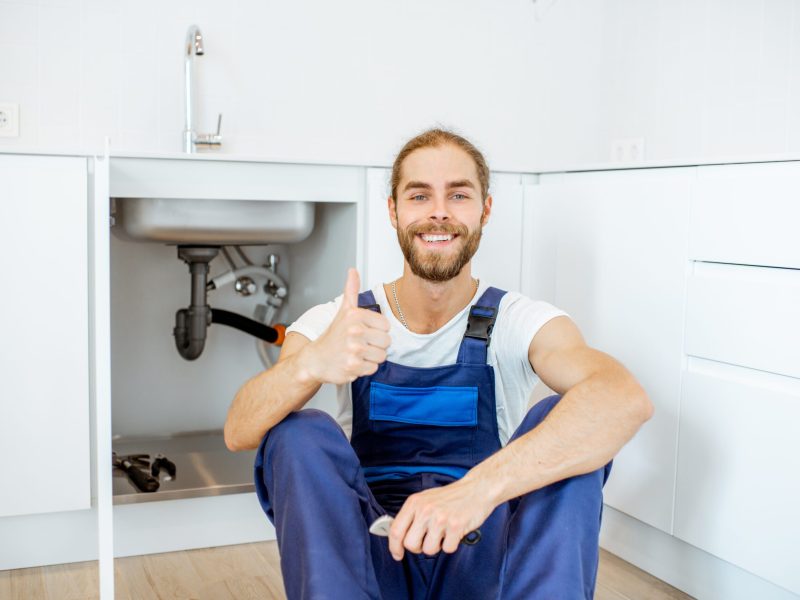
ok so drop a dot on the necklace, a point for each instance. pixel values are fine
(400, 310)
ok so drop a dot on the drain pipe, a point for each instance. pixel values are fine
(191, 323)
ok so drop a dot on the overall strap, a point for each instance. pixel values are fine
(367, 300)
(478, 335)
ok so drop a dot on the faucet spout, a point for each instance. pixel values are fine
(193, 47)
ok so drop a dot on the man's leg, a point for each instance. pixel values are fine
(553, 535)
(310, 484)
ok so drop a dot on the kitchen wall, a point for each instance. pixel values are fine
(536, 84)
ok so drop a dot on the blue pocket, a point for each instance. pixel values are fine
(444, 406)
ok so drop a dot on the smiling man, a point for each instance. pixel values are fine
(433, 374)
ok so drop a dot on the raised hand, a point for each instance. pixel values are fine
(354, 344)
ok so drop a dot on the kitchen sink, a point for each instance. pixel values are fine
(211, 222)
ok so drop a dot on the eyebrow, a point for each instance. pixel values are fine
(426, 186)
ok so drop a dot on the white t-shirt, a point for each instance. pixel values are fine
(518, 319)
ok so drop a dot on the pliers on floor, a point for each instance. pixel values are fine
(162, 462)
(131, 465)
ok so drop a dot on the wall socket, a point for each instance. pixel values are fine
(630, 150)
(9, 120)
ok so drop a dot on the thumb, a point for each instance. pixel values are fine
(351, 288)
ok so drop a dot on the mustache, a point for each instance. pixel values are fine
(434, 229)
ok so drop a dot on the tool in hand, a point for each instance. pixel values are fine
(381, 525)
(131, 465)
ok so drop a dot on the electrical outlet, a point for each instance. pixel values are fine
(630, 150)
(9, 120)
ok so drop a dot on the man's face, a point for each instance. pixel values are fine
(438, 212)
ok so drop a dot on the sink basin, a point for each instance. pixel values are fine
(212, 222)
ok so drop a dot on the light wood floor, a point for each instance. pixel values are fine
(246, 571)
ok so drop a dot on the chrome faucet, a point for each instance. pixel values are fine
(194, 47)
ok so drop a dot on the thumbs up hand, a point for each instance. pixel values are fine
(354, 344)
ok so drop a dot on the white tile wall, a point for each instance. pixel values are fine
(534, 84)
(710, 78)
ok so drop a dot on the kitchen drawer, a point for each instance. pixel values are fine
(747, 214)
(738, 490)
(745, 315)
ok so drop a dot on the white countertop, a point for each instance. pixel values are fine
(534, 169)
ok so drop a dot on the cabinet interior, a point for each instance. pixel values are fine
(163, 403)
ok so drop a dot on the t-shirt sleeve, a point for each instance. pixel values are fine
(522, 318)
(316, 319)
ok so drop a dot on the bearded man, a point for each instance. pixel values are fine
(490, 499)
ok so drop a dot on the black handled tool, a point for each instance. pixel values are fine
(141, 479)
(162, 462)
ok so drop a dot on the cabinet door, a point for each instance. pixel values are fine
(619, 243)
(383, 260)
(44, 426)
(738, 491)
(498, 259)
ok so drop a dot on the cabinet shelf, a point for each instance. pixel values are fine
(204, 465)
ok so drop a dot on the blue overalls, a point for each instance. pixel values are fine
(416, 428)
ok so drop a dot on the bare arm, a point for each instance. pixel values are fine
(601, 408)
(354, 344)
(267, 398)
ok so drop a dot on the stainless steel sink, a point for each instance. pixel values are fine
(211, 222)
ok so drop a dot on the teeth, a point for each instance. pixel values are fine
(437, 238)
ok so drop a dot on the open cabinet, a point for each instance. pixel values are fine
(162, 403)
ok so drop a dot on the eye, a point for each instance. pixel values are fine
(459, 196)
(418, 197)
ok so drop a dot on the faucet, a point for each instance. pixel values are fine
(194, 47)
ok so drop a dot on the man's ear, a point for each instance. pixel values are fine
(392, 206)
(487, 210)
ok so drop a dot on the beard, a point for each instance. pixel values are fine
(434, 265)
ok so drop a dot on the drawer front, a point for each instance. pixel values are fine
(747, 214)
(748, 316)
(738, 490)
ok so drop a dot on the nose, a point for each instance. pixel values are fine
(438, 209)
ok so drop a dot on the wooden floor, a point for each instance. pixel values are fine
(246, 571)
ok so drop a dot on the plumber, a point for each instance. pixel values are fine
(433, 372)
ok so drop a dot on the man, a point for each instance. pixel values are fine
(434, 372)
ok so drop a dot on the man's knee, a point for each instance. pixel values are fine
(536, 415)
(308, 437)
(300, 425)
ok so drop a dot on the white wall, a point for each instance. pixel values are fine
(535, 84)
(705, 78)
(341, 81)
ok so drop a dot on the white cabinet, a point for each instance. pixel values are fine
(498, 259)
(747, 214)
(745, 315)
(383, 260)
(738, 490)
(44, 352)
(612, 251)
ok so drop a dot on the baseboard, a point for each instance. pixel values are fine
(681, 565)
(48, 539)
(170, 525)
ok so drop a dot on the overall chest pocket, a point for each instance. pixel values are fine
(437, 406)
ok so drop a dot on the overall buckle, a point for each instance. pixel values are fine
(480, 322)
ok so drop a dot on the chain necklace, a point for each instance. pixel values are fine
(400, 310)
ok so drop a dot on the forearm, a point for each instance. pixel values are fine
(265, 400)
(583, 432)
